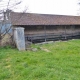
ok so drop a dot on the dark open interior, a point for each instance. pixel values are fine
(41, 33)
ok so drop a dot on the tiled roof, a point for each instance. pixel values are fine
(43, 19)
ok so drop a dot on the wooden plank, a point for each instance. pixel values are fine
(51, 37)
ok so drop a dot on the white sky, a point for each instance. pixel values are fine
(63, 7)
(68, 7)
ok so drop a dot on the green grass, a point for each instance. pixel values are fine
(61, 63)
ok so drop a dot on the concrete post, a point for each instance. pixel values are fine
(19, 38)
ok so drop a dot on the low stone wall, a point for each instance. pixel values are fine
(7, 40)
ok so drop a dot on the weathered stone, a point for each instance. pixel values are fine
(34, 49)
(47, 42)
(19, 38)
(30, 49)
(7, 40)
(28, 44)
(44, 49)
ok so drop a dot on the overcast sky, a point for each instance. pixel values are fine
(67, 7)
(63, 7)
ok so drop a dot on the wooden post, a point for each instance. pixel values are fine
(65, 32)
(73, 28)
(45, 32)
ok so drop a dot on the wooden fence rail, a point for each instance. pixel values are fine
(51, 37)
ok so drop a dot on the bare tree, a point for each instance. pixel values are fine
(5, 25)
(78, 11)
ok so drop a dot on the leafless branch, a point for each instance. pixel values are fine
(6, 7)
(8, 4)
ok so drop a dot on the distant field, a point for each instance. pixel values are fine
(54, 61)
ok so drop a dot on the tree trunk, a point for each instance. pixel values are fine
(0, 39)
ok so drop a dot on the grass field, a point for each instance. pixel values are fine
(62, 62)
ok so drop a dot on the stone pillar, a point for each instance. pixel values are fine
(19, 38)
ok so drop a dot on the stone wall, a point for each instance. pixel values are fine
(7, 40)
